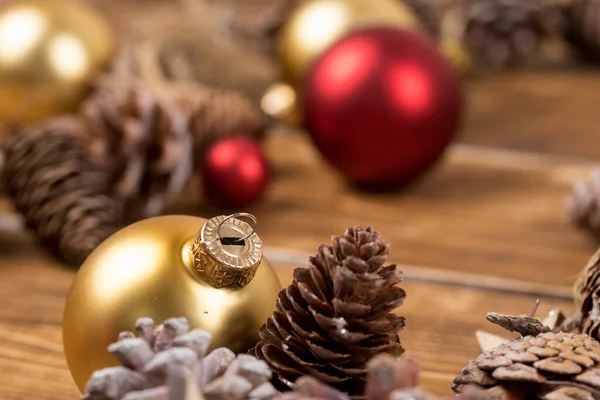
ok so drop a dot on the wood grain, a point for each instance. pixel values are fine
(553, 111)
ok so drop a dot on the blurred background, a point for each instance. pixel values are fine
(158, 93)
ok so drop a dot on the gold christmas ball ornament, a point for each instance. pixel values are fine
(216, 277)
(49, 51)
(316, 24)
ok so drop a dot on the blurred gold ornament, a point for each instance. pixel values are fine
(160, 268)
(49, 50)
(316, 24)
(458, 55)
(451, 42)
(280, 102)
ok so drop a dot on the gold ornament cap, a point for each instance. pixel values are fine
(227, 251)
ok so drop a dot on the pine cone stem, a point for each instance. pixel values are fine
(522, 325)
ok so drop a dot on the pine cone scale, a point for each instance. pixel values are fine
(389, 300)
(311, 290)
(518, 372)
(296, 326)
(280, 360)
(582, 360)
(292, 298)
(326, 354)
(590, 377)
(328, 375)
(473, 374)
(352, 310)
(313, 302)
(319, 277)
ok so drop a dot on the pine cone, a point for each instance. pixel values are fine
(583, 27)
(167, 361)
(583, 205)
(5, 134)
(548, 365)
(504, 33)
(427, 14)
(260, 21)
(60, 193)
(571, 324)
(585, 292)
(387, 378)
(277, 19)
(143, 140)
(217, 114)
(336, 314)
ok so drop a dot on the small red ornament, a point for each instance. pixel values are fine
(381, 105)
(235, 173)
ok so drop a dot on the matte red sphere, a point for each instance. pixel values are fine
(381, 105)
(235, 173)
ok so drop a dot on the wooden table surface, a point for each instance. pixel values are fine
(484, 231)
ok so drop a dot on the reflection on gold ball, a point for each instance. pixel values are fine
(144, 271)
(317, 24)
(280, 102)
(49, 50)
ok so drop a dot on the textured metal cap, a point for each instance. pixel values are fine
(227, 252)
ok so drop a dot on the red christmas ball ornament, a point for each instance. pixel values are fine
(381, 105)
(235, 173)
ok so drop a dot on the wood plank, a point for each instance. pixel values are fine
(441, 321)
(553, 111)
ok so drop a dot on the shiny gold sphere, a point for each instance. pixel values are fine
(49, 50)
(316, 24)
(143, 271)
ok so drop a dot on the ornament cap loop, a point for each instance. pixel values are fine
(237, 215)
(227, 251)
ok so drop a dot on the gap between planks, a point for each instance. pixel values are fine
(411, 272)
(292, 259)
